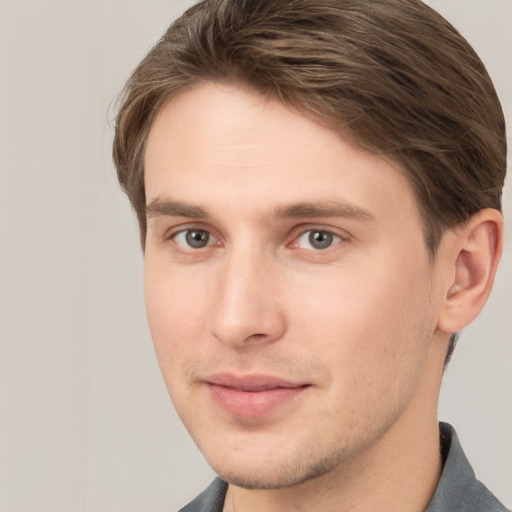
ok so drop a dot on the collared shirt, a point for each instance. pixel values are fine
(458, 489)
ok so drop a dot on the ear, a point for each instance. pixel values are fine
(474, 253)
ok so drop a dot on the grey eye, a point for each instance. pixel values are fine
(320, 239)
(193, 238)
(197, 238)
(317, 239)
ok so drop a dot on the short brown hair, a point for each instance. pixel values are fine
(392, 73)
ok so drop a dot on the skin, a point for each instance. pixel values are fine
(362, 324)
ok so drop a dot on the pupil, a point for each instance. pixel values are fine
(320, 239)
(197, 238)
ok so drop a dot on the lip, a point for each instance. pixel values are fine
(252, 396)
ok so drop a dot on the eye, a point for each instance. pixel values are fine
(317, 239)
(193, 238)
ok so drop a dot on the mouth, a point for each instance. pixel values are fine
(252, 396)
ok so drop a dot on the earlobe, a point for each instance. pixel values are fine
(476, 251)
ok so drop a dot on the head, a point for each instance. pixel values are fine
(420, 96)
(395, 76)
(391, 79)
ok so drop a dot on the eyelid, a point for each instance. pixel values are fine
(295, 234)
(184, 243)
(171, 233)
(303, 229)
(187, 226)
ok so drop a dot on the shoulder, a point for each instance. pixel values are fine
(458, 489)
(210, 500)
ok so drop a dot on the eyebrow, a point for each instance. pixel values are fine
(167, 208)
(160, 207)
(324, 209)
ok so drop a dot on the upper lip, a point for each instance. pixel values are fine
(251, 382)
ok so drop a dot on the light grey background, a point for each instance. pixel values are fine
(85, 421)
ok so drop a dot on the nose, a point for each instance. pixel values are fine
(247, 310)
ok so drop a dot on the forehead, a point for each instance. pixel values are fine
(225, 146)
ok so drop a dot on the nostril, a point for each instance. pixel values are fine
(257, 335)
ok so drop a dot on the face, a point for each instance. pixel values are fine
(289, 292)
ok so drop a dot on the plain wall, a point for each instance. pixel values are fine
(85, 421)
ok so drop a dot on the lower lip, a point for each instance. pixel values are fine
(252, 404)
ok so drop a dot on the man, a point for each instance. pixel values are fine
(318, 189)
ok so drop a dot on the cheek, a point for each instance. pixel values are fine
(367, 326)
(352, 299)
(175, 315)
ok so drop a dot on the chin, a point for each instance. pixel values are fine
(272, 474)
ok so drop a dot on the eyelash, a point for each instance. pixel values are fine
(332, 239)
(335, 238)
(190, 230)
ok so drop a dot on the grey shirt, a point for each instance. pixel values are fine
(458, 489)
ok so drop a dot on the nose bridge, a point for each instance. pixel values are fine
(247, 306)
